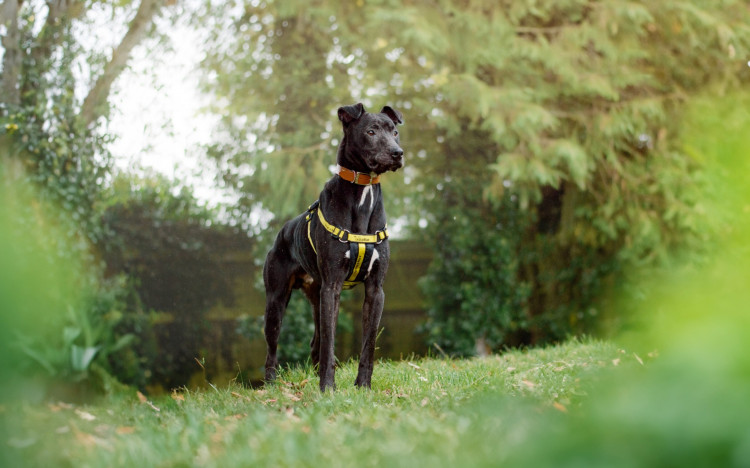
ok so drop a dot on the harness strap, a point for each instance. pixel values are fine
(309, 237)
(361, 246)
(342, 234)
(361, 254)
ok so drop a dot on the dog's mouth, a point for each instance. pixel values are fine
(387, 163)
(392, 167)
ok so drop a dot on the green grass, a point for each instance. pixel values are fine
(426, 411)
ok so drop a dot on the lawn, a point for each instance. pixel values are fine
(423, 412)
(578, 404)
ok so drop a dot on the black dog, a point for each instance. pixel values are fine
(340, 242)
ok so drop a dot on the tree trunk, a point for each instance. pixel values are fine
(12, 59)
(93, 105)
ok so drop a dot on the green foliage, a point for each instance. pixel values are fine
(586, 403)
(278, 139)
(174, 253)
(57, 321)
(88, 337)
(61, 163)
(475, 297)
(66, 161)
(570, 109)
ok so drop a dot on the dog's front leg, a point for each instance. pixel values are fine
(372, 310)
(330, 295)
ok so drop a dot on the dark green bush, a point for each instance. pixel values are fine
(475, 296)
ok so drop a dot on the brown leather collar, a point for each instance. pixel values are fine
(359, 178)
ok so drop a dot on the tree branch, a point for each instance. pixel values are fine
(59, 13)
(94, 104)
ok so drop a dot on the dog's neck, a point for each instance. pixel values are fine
(346, 157)
(357, 208)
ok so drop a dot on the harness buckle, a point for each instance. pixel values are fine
(343, 236)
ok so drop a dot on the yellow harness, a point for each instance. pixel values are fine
(361, 246)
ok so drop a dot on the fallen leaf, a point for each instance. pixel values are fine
(54, 408)
(528, 383)
(291, 397)
(302, 383)
(59, 406)
(85, 439)
(559, 407)
(637, 358)
(616, 362)
(85, 416)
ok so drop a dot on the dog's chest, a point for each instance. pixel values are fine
(367, 199)
(361, 258)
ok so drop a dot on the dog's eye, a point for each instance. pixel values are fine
(371, 132)
(395, 133)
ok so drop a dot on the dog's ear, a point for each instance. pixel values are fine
(393, 114)
(348, 114)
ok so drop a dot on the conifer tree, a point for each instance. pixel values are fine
(565, 113)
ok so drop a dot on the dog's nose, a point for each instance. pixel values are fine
(397, 153)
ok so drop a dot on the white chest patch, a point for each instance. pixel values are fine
(347, 254)
(375, 256)
(365, 193)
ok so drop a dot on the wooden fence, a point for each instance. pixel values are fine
(226, 353)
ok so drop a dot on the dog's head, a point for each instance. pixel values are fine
(371, 141)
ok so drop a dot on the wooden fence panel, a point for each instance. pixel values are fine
(228, 355)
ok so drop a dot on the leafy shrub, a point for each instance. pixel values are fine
(172, 250)
(88, 337)
(58, 318)
(476, 301)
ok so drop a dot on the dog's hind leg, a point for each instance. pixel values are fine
(312, 291)
(278, 279)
